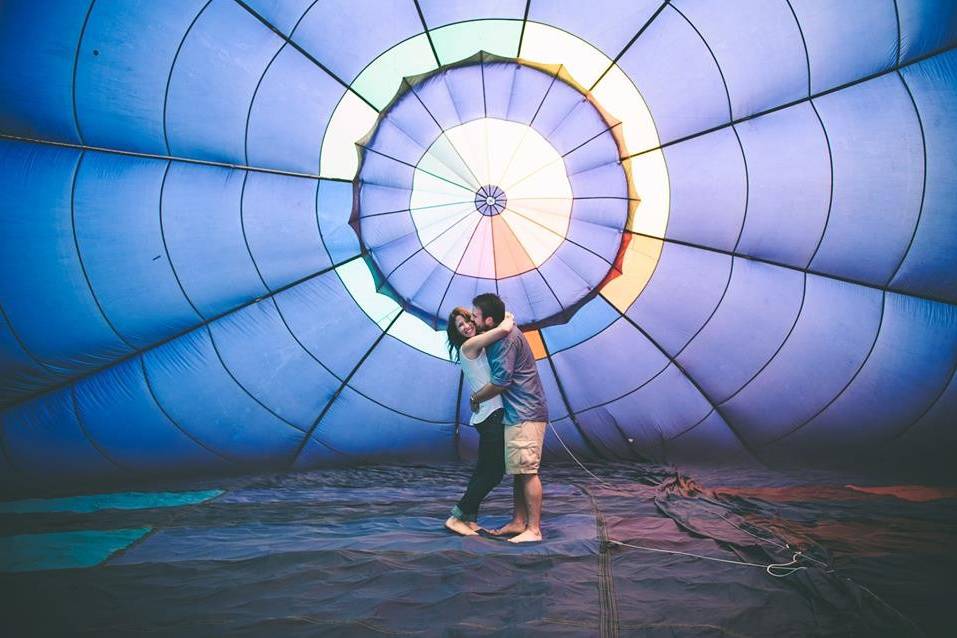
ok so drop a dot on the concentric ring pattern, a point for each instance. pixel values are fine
(487, 205)
(231, 229)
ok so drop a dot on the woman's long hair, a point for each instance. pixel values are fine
(454, 336)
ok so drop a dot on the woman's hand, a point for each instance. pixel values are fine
(508, 322)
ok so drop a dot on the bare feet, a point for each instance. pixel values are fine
(460, 527)
(511, 528)
(528, 536)
(475, 527)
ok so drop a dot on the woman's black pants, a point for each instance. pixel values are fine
(488, 470)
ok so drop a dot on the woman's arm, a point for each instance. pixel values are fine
(476, 344)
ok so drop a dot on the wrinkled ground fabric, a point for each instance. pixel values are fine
(363, 552)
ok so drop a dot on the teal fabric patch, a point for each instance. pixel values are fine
(64, 550)
(97, 502)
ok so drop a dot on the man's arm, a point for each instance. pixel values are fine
(486, 392)
(474, 345)
(501, 360)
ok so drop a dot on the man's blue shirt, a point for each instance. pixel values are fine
(513, 366)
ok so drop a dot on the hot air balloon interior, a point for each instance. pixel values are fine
(232, 236)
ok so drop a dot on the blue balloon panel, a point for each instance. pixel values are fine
(678, 78)
(289, 113)
(156, 443)
(684, 291)
(861, 148)
(203, 231)
(914, 376)
(709, 190)
(930, 266)
(832, 337)
(50, 305)
(749, 325)
(123, 71)
(39, 51)
(135, 283)
(757, 46)
(244, 46)
(846, 41)
(789, 185)
(601, 24)
(327, 25)
(441, 12)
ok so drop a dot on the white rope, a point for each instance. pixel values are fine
(785, 546)
(575, 458)
(788, 567)
(770, 569)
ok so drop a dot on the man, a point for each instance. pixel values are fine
(515, 378)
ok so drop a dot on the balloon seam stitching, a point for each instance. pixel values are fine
(169, 257)
(438, 125)
(252, 100)
(787, 105)
(521, 35)
(44, 365)
(634, 39)
(830, 194)
(79, 255)
(745, 444)
(305, 53)
(169, 158)
(89, 438)
(428, 35)
(572, 416)
(840, 393)
(165, 340)
(807, 57)
(241, 386)
(172, 68)
(454, 272)
(897, 19)
(807, 270)
(787, 337)
(314, 428)
(76, 63)
(242, 227)
(902, 433)
(923, 190)
(149, 386)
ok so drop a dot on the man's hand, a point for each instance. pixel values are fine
(488, 391)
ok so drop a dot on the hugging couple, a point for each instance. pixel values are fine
(509, 412)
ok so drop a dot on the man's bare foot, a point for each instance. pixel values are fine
(475, 527)
(528, 536)
(460, 527)
(511, 528)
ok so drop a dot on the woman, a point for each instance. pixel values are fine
(467, 347)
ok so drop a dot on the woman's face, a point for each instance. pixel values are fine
(465, 327)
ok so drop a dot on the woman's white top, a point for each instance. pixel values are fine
(478, 373)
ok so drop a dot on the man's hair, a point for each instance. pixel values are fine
(491, 306)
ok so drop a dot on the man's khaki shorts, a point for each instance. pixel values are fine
(523, 447)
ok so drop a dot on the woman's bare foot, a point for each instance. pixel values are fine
(511, 528)
(528, 536)
(460, 527)
(475, 527)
